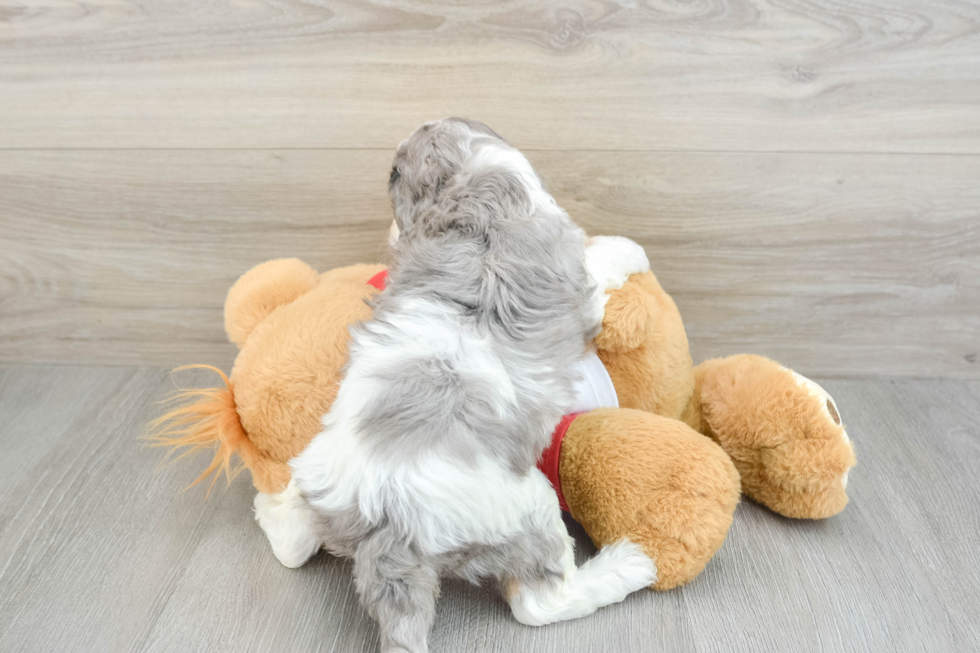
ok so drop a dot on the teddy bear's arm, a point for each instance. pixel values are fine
(613, 264)
(628, 318)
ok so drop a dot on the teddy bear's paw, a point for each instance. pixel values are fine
(810, 473)
(290, 525)
(827, 403)
(783, 431)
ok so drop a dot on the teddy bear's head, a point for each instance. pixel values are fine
(291, 327)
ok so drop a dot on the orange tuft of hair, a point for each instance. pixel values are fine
(205, 418)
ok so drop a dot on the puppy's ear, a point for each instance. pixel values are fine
(400, 195)
(432, 174)
(472, 204)
(423, 166)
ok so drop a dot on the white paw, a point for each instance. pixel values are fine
(631, 563)
(289, 524)
(610, 260)
(616, 571)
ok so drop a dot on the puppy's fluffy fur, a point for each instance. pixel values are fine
(426, 464)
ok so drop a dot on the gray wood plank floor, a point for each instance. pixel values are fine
(100, 550)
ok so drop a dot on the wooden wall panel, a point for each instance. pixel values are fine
(803, 174)
(836, 264)
(710, 75)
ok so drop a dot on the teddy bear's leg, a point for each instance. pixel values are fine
(783, 432)
(290, 525)
(630, 474)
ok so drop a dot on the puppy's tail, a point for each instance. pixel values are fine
(205, 418)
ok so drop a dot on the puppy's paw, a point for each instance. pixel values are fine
(628, 562)
(610, 260)
(289, 524)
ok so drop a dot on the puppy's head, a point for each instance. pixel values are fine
(427, 160)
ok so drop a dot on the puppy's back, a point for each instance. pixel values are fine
(466, 362)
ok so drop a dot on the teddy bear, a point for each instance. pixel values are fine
(663, 465)
(782, 431)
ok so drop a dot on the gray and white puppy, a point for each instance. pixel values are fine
(426, 464)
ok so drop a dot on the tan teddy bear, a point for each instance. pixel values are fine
(642, 471)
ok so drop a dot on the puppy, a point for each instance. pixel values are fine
(426, 464)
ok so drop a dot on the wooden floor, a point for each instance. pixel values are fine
(802, 174)
(100, 550)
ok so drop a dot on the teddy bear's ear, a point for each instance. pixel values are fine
(261, 290)
(629, 316)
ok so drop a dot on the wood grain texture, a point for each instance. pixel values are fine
(747, 75)
(851, 265)
(100, 550)
(802, 174)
